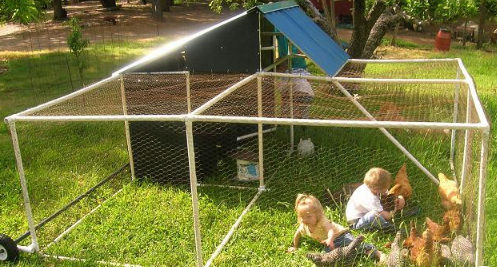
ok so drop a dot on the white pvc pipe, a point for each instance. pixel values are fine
(193, 188)
(241, 119)
(387, 134)
(453, 132)
(126, 130)
(260, 132)
(276, 63)
(232, 230)
(338, 123)
(27, 204)
(474, 94)
(224, 94)
(243, 137)
(64, 258)
(78, 222)
(188, 93)
(364, 80)
(402, 60)
(27, 249)
(292, 130)
(259, 30)
(228, 186)
(156, 73)
(467, 145)
(63, 98)
(101, 118)
(480, 234)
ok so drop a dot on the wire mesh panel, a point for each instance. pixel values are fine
(155, 93)
(64, 160)
(103, 98)
(247, 174)
(424, 69)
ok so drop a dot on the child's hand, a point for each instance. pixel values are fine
(291, 249)
(329, 243)
(400, 203)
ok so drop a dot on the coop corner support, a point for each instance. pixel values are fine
(33, 247)
(126, 129)
(193, 188)
(481, 197)
(260, 134)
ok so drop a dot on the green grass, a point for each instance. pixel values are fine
(151, 224)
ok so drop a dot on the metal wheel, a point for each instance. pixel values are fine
(8, 249)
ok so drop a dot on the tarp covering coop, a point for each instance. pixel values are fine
(212, 145)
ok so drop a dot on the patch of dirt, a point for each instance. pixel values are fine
(133, 22)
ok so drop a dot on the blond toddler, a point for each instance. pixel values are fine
(364, 209)
(313, 223)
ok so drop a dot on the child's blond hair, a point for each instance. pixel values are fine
(310, 202)
(378, 179)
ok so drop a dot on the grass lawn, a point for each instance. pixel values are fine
(150, 224)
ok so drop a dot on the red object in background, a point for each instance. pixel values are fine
(442, 42)
(343, 8)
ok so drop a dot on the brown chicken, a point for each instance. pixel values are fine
(413, 236)
(401, 185)
(449, 193)
(425, 252)
(440, 232)
(455, 220)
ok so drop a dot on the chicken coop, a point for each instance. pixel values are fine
(193, 155)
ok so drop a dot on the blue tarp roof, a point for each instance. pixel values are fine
(308, 37)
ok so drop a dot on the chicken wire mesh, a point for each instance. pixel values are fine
(423, 69)
(227, 158)
(64, 160)
(417, 102)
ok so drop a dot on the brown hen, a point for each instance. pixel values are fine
(439, 232)
(425, 252)
(401, 185)
(449, 193)
(455, 220)
(413, 236)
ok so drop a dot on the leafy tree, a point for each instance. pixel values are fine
(486, 9)
(22, 11)
(77, 44)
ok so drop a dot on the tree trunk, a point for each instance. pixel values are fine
(58, 12)
(380, 28)
(395, 32)
(157, 10)
(363, 25)
(165, 6)
(108, 3)
(483, 16)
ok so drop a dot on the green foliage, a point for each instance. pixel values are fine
(75, 39)
(449, 10)
(218, 5)
(400, 43)
(22, 11)
(77, 44)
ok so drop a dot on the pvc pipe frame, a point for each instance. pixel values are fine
(196, 116)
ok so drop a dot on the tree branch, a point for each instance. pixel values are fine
(375, 12)
(380, 28)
